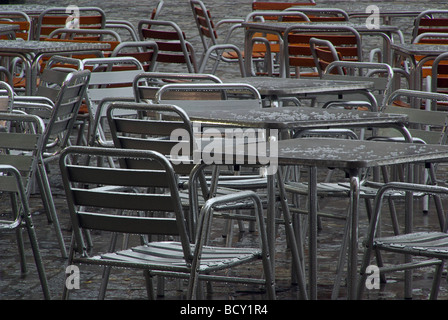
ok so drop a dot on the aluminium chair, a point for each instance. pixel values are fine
(322, 15)
(216, 50)
(111, 79)
(268, 44)
(414, 248)
(174, 48)
(68, 17)
(298, 59)
(146, 84)
(21, 142)
(92, 187)
(59, 118)
(144, 51)
(431, 20)
(280, 6)
(19, 18)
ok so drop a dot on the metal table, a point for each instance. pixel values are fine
(299, 119)
(351, 156)
(31, 51)
(306, 88)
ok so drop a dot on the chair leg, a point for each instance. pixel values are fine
(49, 203)
(436, 281)
(36, 253)
(21, 247)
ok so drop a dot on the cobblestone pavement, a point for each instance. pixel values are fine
(127, 284)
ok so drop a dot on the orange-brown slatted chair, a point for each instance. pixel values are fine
(144, 51)
(210, 34)
(16, 18)
(279, 6)
(172, 43)
(268, 44)
(298, 57)
(68, 17)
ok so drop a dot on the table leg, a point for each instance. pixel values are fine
(312, 224)
(352, 269)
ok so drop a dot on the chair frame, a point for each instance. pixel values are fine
(190, 261)
(20, 160)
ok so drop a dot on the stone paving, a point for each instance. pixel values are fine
(127, 284)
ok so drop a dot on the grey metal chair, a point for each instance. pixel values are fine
(189, 258)
(429, 244)
(21, 142)
(147, 84)
(59, 118)
(111, 79)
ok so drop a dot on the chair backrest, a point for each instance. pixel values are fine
(69, 17)
(104, 36)
(144, 51)
(381, 74)
(111, 79)
(155, 127)
(147, 84)
(298, 56)
(21, 142)
(54, 74)
(433, 21)
(324, 53)
(204, 23)
(279, 6)
(427, 125)
(172, 43)
(17, 18)
(97, 195)
(197, 97)
(320, 14)
(65, 111)
(156, 11)
(439, 75)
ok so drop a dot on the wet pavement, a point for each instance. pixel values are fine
(128, 284)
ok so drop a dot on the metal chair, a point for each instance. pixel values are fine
(188, 258)
(266, 46)
(21, 145)
(433, 21)
(298, 59)
(430, 245)
(111, 79)
(279, 6)
(324, 53)
(59, 118)
(381, 74)
(147, 84)
(173, 45)
(17, 18)
(68, 17)
(209, 32)
(144, 51)
(320, 14)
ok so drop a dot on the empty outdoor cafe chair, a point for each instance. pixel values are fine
(21, 142)
(154, 189)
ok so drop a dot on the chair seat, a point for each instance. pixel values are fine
(428, 244)
(168, 255)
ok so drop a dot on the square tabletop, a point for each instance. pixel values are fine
(293, 117)
(40, 47)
